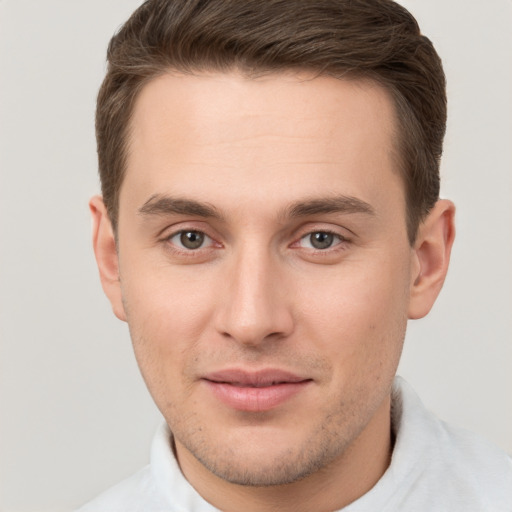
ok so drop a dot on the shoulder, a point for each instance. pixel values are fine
(475, 466)
(137, 493)
(158, 487)
(447, 467)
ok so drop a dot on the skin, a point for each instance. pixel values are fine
(243, 157)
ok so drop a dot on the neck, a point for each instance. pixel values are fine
(334, 486)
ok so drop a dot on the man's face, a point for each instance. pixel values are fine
(264, 267)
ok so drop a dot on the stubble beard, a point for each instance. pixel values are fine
(325, 445)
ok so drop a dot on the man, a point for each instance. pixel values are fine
(270, 220)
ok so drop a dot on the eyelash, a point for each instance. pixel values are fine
(185, 250)
(342, 241)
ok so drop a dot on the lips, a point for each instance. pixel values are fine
(257, 391)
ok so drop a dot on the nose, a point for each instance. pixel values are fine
(254, 305)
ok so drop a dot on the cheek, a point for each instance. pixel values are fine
(167, 301)
(167, 316)
(359, 316)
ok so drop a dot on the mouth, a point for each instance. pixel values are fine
(257, 391)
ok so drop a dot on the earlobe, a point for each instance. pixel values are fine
(105, 250)
(432, 256)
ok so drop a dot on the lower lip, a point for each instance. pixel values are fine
(255, 399)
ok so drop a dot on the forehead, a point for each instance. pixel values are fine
(281, 134)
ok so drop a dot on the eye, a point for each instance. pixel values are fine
(320, 240)
(190, 240)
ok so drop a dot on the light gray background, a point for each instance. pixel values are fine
(75, 415)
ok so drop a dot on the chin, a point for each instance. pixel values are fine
(275, 471)
(262, 458)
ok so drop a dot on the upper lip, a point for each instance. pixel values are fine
(258, 378)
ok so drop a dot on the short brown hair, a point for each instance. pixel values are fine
(369, 39)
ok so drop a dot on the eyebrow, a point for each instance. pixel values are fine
(336, 204)
(158, 204)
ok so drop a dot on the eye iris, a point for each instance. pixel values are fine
(192, 239)
(321, 240)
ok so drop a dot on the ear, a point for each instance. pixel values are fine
(432, 251)
(104, 244)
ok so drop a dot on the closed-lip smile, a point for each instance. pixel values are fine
(254, 391)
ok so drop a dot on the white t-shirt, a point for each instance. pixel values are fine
(434, 468)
